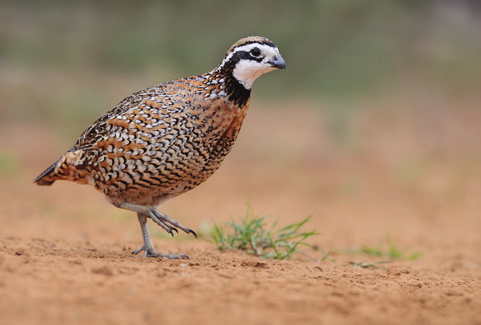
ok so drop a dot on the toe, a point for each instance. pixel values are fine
(174, 256)
(137, 251)
(190, 231)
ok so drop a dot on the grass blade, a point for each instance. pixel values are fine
(251, 235)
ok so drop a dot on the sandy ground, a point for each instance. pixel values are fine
(65, 252)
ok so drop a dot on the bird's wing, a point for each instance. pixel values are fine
(100, 129)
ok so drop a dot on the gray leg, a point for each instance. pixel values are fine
(168, 224)
(148, 247)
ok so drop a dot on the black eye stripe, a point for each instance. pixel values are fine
(244, 55)
(255, 59)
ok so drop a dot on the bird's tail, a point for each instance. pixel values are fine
(69, 168)
(47, 178)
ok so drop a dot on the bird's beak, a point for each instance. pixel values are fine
(277, 62)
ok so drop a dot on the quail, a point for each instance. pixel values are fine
(165, 140)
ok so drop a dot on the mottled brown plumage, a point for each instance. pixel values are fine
(165, 140)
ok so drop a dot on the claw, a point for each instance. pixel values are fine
(190, 231)
(137, 251)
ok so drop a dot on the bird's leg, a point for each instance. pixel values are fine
(148, 247)
(169, 225)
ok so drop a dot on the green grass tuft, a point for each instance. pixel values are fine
(252, 235)
(392, 253)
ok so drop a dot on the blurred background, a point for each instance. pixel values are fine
(374, 128)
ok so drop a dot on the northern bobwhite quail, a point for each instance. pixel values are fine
(165, 140)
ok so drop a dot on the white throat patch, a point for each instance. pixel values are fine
(246, 71)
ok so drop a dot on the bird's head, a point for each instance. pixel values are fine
(249, 58)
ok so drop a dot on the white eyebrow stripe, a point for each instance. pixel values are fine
(247, 48)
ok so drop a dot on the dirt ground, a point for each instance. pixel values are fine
(65, 252)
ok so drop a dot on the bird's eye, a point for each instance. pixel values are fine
(255, 52)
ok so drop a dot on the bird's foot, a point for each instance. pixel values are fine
(151, 252)
(168, 224)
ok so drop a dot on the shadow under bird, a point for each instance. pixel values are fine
(165, 140)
